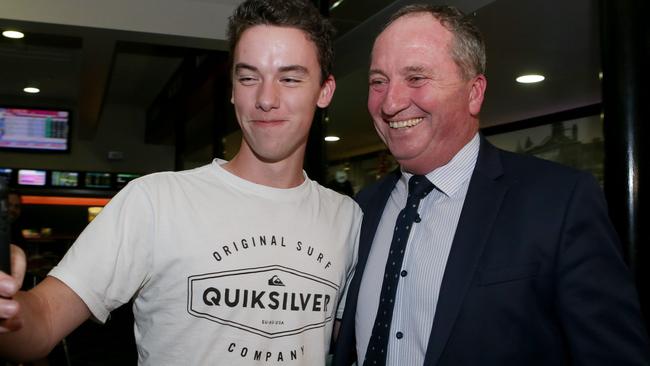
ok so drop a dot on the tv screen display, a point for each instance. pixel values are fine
(28, 177)
(98, 180)
(6, 173)
(34, 129)
(65, 179)
(123, 178)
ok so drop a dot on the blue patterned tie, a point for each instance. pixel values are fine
(419, 187)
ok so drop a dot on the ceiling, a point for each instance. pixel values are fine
(91, 55)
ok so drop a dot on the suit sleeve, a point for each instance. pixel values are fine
(596, 297)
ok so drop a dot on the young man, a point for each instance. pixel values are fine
(234, 263)
(503, 259)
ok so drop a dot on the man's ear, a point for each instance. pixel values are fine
(326, 92)
(476, 94)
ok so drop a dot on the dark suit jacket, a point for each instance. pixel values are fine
(534, 276)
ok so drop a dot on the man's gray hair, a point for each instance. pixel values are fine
(467, 49)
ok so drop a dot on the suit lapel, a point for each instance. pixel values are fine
(481, 206)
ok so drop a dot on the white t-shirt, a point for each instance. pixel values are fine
(222, 271)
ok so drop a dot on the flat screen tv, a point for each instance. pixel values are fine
(121, 179)
(29, 177)
(34, 129)
(6, 173)
(97, 180)
(65, 179)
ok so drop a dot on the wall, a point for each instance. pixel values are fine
(121, 128)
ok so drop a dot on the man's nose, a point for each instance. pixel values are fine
(395, 100)
(267, 96)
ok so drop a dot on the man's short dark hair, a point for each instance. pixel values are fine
(299, 14)
(468, 47)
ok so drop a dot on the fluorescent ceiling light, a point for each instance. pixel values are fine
(332, 138)
(31, 90)
(528, 79)
(13, 34)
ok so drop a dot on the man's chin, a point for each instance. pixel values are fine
(414, 164)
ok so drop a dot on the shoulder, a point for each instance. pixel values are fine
(158, 187)
(159, 179)
(329, 196)
(542, 183)
(533, 171)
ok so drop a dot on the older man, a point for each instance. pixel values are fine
(470, 255)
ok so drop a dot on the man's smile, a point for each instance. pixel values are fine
(405, 123)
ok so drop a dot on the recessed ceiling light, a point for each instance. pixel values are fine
(336, 4)
(528, 79)
(332, 138)
(13, 34)
(31, 90)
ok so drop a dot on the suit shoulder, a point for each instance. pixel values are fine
(534, 166)
(539, 172)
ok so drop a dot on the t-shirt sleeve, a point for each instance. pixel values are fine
(354, 247)
(110, 260)
(341, 307)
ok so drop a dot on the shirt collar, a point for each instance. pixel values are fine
(451, 176)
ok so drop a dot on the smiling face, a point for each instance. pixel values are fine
(276, 89)
(424, 110)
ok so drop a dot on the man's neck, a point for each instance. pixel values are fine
(286, 173)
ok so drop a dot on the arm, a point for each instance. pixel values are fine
(33, 322)
(596, 298)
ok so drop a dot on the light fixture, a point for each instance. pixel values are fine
(13, 34)
(31, 90)
(337, 3)
(332, 138)
(529, 79)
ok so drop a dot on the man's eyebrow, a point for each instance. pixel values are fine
(294, 68)
(375, 72)
(414, 69)
(243, 66)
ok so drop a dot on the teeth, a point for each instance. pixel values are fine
(406, 123)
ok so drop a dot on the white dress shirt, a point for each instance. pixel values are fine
(425, 259)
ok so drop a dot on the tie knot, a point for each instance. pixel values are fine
(419, 187)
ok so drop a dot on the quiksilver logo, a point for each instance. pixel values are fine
(275, 281)
(261, 299)
(272, 301)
